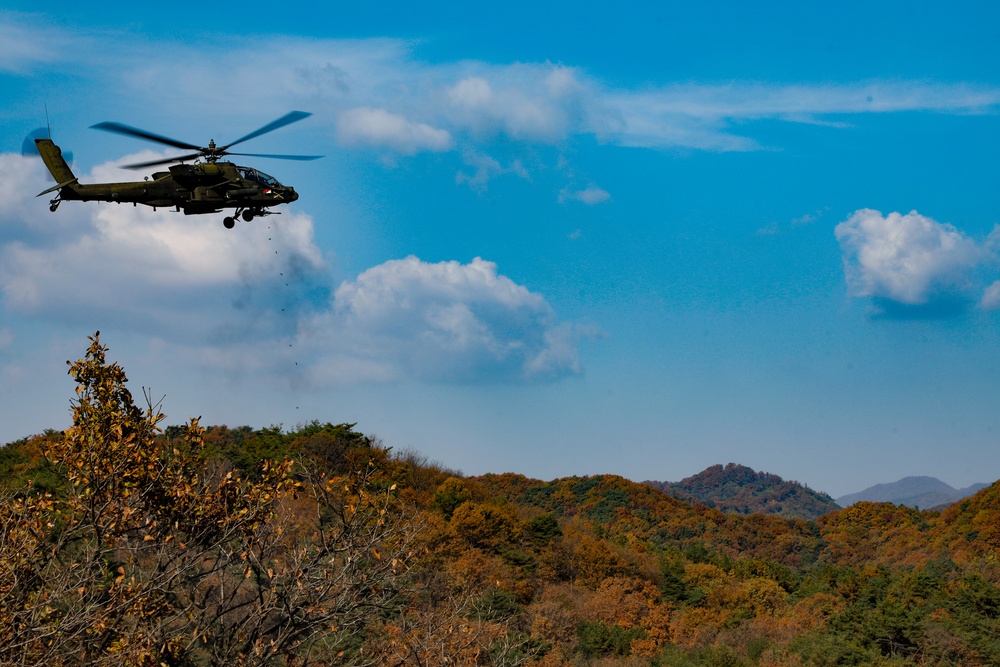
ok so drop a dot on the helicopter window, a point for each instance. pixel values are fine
(267, 180)
(255, 176)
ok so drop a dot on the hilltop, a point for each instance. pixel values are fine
(928, 492)
(738, 489)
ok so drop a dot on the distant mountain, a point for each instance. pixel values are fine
(737, 489)
(922, 492)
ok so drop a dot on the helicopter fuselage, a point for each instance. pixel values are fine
(202, 187)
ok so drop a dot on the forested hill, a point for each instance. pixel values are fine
(125, 544)
(738, 489)
(531, 573)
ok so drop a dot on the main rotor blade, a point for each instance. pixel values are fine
(287, 119)
(118, 128)
(279, 157)
(153, 163)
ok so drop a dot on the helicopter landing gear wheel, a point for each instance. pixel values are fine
(228, 222)
(247, 216)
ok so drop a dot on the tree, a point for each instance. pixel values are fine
(153, 553)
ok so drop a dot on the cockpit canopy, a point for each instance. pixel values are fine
(255, 176)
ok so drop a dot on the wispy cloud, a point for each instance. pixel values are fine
(991, 297)
(376, 92)
(591, 196)
(365, 126)
(25, 44)
(485, 168)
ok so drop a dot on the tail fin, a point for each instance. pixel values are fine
(53, 159)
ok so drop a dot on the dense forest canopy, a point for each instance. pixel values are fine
(125, 543)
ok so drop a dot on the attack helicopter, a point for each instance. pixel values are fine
(207, 185)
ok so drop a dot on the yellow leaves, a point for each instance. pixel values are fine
(704, 575)
(148, 516)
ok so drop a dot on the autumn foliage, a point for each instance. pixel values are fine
(123, 543)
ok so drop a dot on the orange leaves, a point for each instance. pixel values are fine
(210, 546)
(623, 601)
(762, 597)
(475, 571)
(593, 560)
(485, 525)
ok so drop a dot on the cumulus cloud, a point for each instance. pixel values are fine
(234, 300)
(377, 127)
(410, 319)
(156, 269)
(532, 102)
(909, 260)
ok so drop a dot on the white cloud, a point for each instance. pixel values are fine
(991, 297)
(233, 299)
(21, 178)
(376, 92)
(699, 115)
(485, 168)
(809, 218)
(526, 102)
(909, 258)
(377, 127)
(446, 321)
(802, 103)
(591, 196)
(91, 261)
(25, 43)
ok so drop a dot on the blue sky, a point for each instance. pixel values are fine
(548, 238)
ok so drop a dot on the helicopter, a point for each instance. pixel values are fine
(208, 185)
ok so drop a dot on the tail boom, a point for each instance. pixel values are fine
(53, 158)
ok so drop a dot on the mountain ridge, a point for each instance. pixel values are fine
(920, 491)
